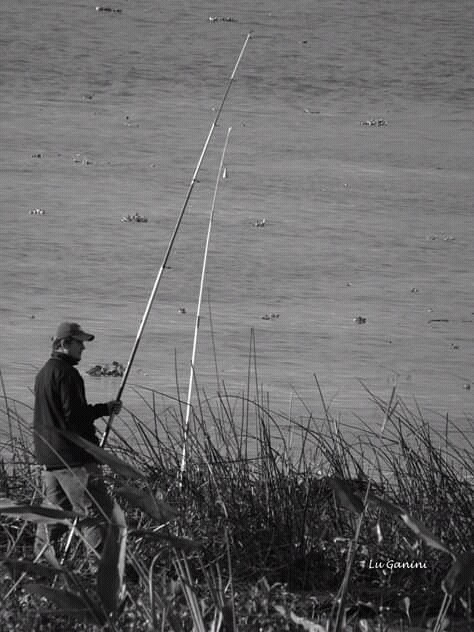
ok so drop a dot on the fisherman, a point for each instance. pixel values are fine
(71, 477)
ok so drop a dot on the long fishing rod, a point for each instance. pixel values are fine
(198, 311)
(171, 242)
(163, 266)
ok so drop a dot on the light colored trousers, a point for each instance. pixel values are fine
(78, 489)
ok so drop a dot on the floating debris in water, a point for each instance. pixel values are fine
(108, 10)
(271, 316)
(215, 18)
(182, 310)
(136, 217)
(129, 123)
(467, 386)
(375, 123)
(360, 320)
(115, 369)
(36, 155)
(443, 237)
(37, 211)
(78, 159)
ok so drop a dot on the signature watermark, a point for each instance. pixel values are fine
(393, 564)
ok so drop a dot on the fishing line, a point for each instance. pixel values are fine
(171, 242)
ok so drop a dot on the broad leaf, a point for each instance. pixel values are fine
(144, 500)
(110, 586)
(69, 603)
(345, 495)
(104, 456)
(388, 506)
(8, 502)
(16, 567)
(228, 617)
(424, 533)
(306, 624)
(47, 514)
(460, 575)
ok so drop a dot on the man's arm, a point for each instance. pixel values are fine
(79, 416)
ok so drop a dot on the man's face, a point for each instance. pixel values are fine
(76, 348)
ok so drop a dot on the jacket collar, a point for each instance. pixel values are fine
(57, 355)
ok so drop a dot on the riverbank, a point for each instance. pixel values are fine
(267, 533)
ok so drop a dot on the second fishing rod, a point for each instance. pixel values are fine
(171, 242)
(154, 290)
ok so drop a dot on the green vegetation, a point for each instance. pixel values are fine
(276, 523)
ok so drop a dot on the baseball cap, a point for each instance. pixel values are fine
(72, 330)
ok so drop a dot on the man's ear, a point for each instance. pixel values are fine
(65, 345)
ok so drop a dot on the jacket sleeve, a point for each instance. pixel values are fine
(79, 416)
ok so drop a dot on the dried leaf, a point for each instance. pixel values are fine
(144, 500)
(424, 533)
(306, 624)
(104, 456)
(110, 585)
(378, 530)
(364, 625)
(345, 495)
(405, 604)
(460, 575)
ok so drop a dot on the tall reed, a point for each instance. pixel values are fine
(258, 498)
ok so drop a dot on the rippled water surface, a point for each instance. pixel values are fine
(105, 114)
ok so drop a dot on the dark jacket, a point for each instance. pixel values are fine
(60, 403)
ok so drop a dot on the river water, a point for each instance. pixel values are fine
(105, 113)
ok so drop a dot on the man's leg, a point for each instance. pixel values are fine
(50, 535)
(86, 490)
(102, 504)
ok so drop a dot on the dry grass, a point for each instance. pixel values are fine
(272, 512)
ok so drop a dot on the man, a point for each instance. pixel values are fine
(71, 477)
